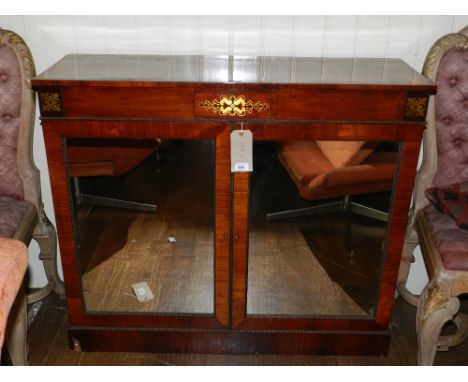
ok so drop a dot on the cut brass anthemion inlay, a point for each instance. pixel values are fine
(233, 105)
(50, 102)
(415, 107)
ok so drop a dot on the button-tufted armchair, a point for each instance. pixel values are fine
(22, 215)
(439, 200)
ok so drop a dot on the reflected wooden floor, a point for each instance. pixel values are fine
(301, 266)
(286, 278)
(296, 266)
(121, 247)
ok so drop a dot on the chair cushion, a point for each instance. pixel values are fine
(450, 240)
(109, 156)
(376, 175)
(451, 118)
(316, 178)
(378, 168)
(11, 213)
(452, 200)
(13, 264)
(303, 160)
(10, 106)
(342, 153)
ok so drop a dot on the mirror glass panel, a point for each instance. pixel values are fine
(144, 223)
(318, 218)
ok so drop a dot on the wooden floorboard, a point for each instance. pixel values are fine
(48, 345)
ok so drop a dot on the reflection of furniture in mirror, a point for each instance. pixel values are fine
(133, 246)
(13, 313)
(444, 244)
(329, 169)
(107, 157)
(194, 98)
(22, 214)
(296, 259)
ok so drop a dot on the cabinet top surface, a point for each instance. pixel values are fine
(149, 70)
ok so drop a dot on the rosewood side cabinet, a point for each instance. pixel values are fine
(208, 271)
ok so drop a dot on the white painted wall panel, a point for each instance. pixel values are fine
(121, 34)
(340, 36)
(15, 23)
(184, 37)
(246, 35)
(277, 35)
(403, 38)
(34, 37)
(90, 34)
(460, 22)
(371, 36)
(153, 35)
(429, 33)
(57, 36)
(51, 37)
(215, 35)
(308, 36)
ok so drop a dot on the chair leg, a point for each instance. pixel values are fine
(46, 237)
(461, 322)
(407, 258)
(345, 206)
(81, 198)
(359, 209)
(118, 203)
(308, 211)
(435, 308)
(16, 341)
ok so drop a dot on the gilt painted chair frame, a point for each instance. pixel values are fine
(35, 224)
(438, 302)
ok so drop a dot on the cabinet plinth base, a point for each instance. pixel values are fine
(229, 341)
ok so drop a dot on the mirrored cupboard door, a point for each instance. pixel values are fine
(311, 231)
(151, 241)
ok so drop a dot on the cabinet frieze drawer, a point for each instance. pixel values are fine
(124, 102)
(344, 105)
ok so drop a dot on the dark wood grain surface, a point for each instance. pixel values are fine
(195, 97)
(111, 70)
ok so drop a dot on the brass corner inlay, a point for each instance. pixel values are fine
(416, 107)
(50, 102)
(233, 105)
